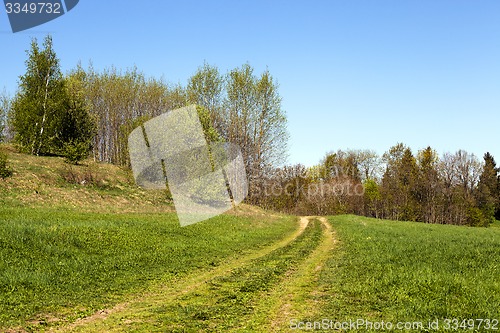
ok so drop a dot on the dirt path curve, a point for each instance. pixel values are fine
(297, 296)
(181, 287)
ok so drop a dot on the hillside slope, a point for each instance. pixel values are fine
(90, 186)
(77, 239)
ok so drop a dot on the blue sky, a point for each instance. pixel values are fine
(352, 74)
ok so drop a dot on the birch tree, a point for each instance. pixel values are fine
(5, 105)
(40, 102)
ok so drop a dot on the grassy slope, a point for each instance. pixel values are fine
(69, 263)
(43, 182)
(67, 250)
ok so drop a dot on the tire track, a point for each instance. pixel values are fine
(175, 289)
(296, 297)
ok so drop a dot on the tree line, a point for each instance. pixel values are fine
(89, 112)
(453, 188)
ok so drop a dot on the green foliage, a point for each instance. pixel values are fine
(119, 100)
(372, 190)
(372, 197)
(78, 126)
(424, 188)
(488, 191)
(342, 164)
(125, 129)
(399, 184)
(5, 170)
(211, 134)
(205, 88)
(48, 112)
(255, 120)
(40, 102)
(75, 151)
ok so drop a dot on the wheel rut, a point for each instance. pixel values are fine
(100, 320)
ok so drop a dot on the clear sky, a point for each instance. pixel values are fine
(352, 73)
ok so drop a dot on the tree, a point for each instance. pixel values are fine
(372, 197)
(468, 171)
(270, 135)
(5, 106)
(284, 189)
(448, 176)
(342, 164)
(256, 122)
(399, 183)
(116, 99)
(5, 170)
(205, 88)
(488, 192)
(459, 174)
(49, 115)
(407, 177)
(77, 125)
(40, 103)
(369, 164)
(428, 185)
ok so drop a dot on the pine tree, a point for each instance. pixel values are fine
(407, 177)
(428, 185)
(487, 190)
(77, 126)
(49, 115)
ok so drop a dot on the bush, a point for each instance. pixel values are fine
(5, 171)
(476, 218)
(83, 175)
(75, 152)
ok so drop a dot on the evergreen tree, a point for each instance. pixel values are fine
(487, 190)
(77, 127)
(372, 197)
(428, 185)
(407, 176)
(41, 100)
(49, 113)
(399, 183)
(5, 170)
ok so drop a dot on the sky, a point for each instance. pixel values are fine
(353, 74)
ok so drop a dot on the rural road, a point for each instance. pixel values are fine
(287, 299)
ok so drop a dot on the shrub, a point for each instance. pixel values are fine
(75, 151)
(5, 171)
(87, 176)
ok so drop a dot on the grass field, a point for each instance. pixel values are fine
(69, 265)
(231, 274)
(104, 256)
(404, 271)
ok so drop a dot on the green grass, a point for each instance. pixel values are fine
(227, 303)
(403, 271)
(69, 264)
(40, 182)
(108, 242)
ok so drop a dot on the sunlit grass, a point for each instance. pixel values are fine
(62, 261)
(402, 271)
